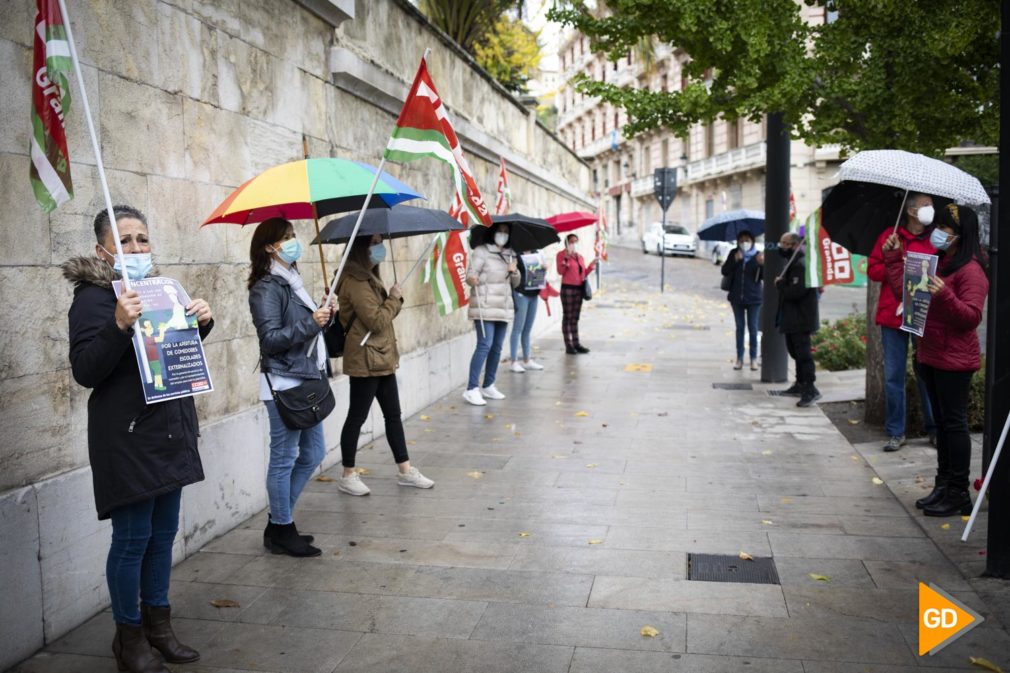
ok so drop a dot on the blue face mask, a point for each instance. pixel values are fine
(290, 251)
(138, 264)
(940, 239)
(377, 253)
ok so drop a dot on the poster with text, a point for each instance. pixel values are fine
(915, 291)
(167, 342)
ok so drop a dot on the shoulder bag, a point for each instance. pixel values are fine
(306, 405)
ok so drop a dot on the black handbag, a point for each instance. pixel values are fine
(305, 405)
(727, 283)
(335, 336)
(587, 290)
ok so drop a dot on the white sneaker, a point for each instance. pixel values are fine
(516, 367)
(352, 485)
(474, 397)
(413, 478)
(533, 365)
(492, 393)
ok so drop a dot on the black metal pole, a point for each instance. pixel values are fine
(774, 360)
(997, 398)
(662, 256)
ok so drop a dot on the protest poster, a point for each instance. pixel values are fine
(915, 291)
(167, 342)
(536, 272)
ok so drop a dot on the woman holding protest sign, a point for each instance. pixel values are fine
(141, 454)
(532, 279)
(949, 353)
(371, 359)
(289, 325)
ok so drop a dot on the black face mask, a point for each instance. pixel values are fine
(786, 252)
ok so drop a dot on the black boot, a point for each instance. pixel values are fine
(939, 488)
(955, 501)
(133, 652)
(285, 540)
(810, 395)
(795, 390)
(269, 531)
(157, 623)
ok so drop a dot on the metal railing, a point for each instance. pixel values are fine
(725, 163)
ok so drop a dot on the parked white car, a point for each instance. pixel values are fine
(721, 250)
(676, 240)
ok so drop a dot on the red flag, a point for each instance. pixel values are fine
(601, 234)
(424, 130)
(546, 295)
(50, 167)
(504, 200)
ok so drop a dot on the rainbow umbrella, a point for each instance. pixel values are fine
(307, 189)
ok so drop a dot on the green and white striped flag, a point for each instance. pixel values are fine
(50, 167)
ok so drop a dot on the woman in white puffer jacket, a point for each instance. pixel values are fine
(492, 276)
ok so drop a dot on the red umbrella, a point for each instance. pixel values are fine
(576, 219)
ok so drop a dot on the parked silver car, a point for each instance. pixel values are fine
(676, 240)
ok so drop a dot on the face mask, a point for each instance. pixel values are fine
(290, 251)
(500, 239)
(377, 253)
(941, 240)
(925, 215)
(138, 265)
(745, 246)
(786, 252)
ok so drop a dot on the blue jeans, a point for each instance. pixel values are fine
(140, 558)
(294, 456)
(489, 343)
(750, 313)
(895, 343)
(526, 315)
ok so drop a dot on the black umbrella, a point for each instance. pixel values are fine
(396, 222)
(525, 232)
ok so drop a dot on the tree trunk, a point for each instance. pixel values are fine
(875, 405)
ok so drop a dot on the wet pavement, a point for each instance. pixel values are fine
(563, 517)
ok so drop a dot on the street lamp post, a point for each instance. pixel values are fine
(774, 363)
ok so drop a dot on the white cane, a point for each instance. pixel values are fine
(985, 482)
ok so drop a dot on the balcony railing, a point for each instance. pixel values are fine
(600, 145)
(726, 163)
(643, 186)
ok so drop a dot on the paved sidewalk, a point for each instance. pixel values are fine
(560, 526)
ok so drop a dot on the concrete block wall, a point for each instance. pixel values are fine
(192, 98)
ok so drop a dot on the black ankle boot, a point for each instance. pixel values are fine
(939, 488)
(157, 624)
(269, 531)
(955, 501)
(133, 652)
(285, 540)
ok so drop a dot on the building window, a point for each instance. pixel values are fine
(616, 122)
(664, 152)
(733, 134)
(647, 164)
(709, 208)
(709, 140)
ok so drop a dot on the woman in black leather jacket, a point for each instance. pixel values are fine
(289, 325)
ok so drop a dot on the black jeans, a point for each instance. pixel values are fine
(364, 389)
(948, 394)
(798, 345)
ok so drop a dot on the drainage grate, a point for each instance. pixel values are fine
(733, 386)
(717, 568)
(777, 393)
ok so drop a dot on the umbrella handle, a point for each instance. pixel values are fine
(897, 220)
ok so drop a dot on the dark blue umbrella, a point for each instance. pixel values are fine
(396, 222)
(727, 226)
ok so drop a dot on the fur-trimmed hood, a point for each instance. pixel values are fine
(93, 271)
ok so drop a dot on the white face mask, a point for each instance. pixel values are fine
(501, 238)
(745, 246)
(925, 215)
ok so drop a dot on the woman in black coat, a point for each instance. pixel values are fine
(743, 274)
(141, 455)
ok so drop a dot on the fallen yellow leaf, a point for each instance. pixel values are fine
(965, 517)
(877, 480)
(558, 403)
(945, 526)
(362, 470)
(819, 578)
(595, 541)
(744, 556)
(785, 501)
(853, 421)
(768, 522)
(766, 452)
(475, 475)
(638, 367)
(425, 418)
(325, 478)
(591, 465)
(982, 662)
(225, 603)
(524, 534)
(581, 413)
(649, 632)
(489, 416)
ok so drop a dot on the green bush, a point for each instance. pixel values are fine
(976, 401)
(841, 345)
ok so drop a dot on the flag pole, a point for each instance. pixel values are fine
(985, 482)
(315, 216)
(94, 144)
(424, 256)
(357, 226)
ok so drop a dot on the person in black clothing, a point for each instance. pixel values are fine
(141, 455)
(743, 272)
(797, 319)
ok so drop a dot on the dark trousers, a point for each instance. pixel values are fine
(798, 346)
(365, 389)
(140, 558)
(571, 309)
(948, 395)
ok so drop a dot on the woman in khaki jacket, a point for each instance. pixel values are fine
(367, 308)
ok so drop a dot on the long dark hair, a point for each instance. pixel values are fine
(964, 221)
(359, 255)
(268, 232)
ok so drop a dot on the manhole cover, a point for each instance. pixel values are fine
(718, 568)
(733, 386)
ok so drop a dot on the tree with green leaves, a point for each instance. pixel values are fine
(921, 76)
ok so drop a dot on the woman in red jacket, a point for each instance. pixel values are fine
(949, 353)
(573, 271)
